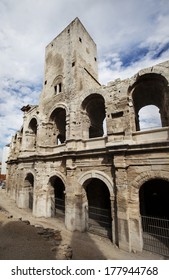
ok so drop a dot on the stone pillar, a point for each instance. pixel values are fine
(76, 216)
(29, 141)
(85, 125)
(45, 134)
(123, 219)
(81, 212)
(22, 199)
(122, 203)
(136, 240)
(74, 201)
(44, 203)
(70, 212)
(113, 216)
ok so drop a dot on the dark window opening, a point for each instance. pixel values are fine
(59, 195)
(99, 207)
(45, 82)
(95, 115)
(60, 139)
(154, 199)
(80, 40)
(59, 129)
(29, 183)
(73, 64)
(60, 87)
(117, 115)
(150, 90)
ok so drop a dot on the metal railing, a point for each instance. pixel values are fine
(60, 207)
(99, 221)
(156, 235)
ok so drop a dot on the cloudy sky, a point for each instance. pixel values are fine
(130, 35)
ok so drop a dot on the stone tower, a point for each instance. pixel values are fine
(70, 63)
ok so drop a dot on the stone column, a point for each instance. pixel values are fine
(85, 125)
(136, 240)
(81, 212)
(22, 200)
(113, 216)
(70, 212)
(122, 203)
(44, 203)
(123, 218)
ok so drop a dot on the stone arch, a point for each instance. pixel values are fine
(32, 132)
(149, 89)
(154, 193)
(58, 84)
(59, 175)
(97, 203)
(93, 114)
(57, 195)
(29, 179)
(136, 185)
(58, 120)
(58, 105)
(135, 223)
(99, 175)
(28, 189)
(148, 175)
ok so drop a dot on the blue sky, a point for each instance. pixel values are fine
(130, 35)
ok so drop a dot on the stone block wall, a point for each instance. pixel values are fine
(83, 142)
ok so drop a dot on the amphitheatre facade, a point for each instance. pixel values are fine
(81, 154)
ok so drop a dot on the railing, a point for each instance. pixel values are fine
(156, 235)
(60, 207)
(99, 221)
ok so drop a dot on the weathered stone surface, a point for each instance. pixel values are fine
(82, 146)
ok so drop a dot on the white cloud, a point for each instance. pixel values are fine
(117, 26)
(149, 117)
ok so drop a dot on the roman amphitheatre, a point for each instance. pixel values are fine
(83, 160)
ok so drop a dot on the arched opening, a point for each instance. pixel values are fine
(98, 210)
(149, 117)
(150, 89)
(93, 116)
(29, 184)
(59, 196)
(33, 132)
(154, 196)
(58, 117)
(58, 84)
(154, 210)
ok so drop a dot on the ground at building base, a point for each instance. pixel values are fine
(24, 237)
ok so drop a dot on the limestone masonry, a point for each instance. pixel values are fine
(81, 155)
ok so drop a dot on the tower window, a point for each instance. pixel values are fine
(73, 64)
(58, 88)
(80, 40)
